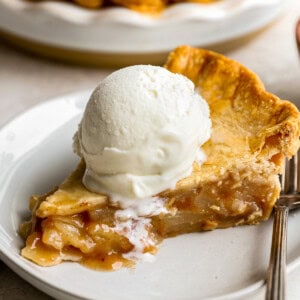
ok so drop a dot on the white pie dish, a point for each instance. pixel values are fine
(36, 154)
(122, 31)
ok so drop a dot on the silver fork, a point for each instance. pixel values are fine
(289, 199)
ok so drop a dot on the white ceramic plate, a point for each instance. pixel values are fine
(36, 154)
(119, 30)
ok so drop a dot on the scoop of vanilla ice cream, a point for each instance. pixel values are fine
(141, 132)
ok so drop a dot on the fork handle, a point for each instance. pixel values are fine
(276, 277)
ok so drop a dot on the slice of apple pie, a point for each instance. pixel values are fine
(252, 132)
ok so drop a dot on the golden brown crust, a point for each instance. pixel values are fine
(239, 101)
(71, 197)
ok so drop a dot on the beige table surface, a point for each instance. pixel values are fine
(26, 80)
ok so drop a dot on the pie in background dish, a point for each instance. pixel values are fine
(252, 133)
(144, 6)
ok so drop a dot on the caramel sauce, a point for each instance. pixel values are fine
(40, 253)
(111, 262)
(105, 253)
(45, 255)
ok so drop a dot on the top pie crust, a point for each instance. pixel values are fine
(252, 132)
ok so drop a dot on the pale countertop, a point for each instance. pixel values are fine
(26, 80)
